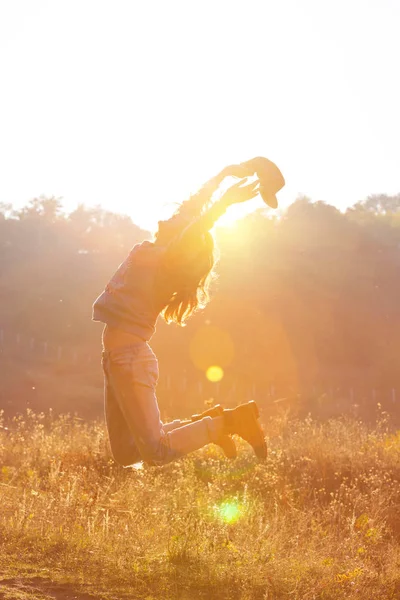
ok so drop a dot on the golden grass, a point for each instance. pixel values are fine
(320, 519)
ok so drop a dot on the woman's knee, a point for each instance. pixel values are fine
(157, 452)
(127, 461)
(126, 456)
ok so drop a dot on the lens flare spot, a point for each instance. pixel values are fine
(229, 511)
(214, 373)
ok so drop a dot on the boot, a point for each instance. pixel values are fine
(225, 441)
(243, 420)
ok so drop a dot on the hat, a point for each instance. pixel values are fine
(271, 179)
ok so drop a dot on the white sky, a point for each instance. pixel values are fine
(132, 104)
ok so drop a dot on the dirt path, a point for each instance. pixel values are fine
(40, 589)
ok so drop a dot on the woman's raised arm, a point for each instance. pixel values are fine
(185, 246)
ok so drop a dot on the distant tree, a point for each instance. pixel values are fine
(5, 210)
(310, 295)
(46, 208)
(378, 204)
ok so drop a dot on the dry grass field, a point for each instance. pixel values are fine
(320, 519)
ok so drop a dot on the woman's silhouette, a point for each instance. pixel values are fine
(168, 277)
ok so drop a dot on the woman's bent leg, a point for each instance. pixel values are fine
(174, 425)
(194, 436)
(134, 374)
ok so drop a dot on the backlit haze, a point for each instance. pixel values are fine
(132, 105)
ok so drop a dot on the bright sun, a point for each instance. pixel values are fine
(230, 218)
(237, 212)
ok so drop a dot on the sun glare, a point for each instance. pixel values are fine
(228, 220)
(214, 373)
(235, 212)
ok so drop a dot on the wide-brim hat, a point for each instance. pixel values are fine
(270, 177)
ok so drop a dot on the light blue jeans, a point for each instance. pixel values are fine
(135, 429)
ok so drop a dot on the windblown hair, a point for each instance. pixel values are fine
(192, 289)
(192, 283)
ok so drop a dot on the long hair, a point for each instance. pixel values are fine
(192, 283)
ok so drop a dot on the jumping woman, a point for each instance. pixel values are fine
(169, 277)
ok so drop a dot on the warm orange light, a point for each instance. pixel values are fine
(211, 345)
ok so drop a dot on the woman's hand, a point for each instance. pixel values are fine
(240, 192)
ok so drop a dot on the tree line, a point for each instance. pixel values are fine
(306, 299)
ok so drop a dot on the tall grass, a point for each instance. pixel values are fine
(319, 519)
